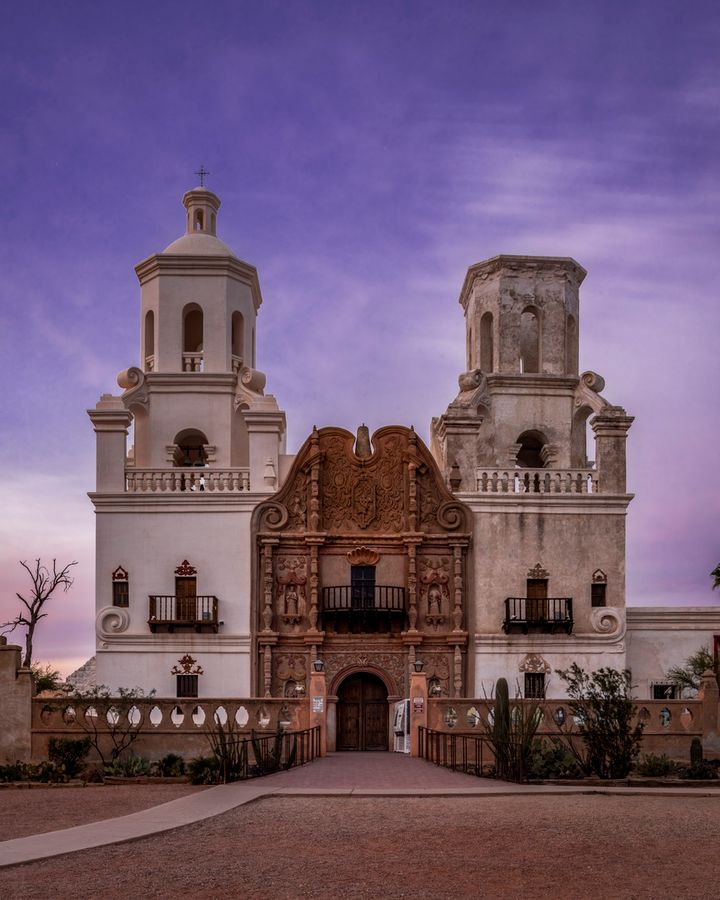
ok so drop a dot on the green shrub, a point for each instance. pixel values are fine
(17, 771)
(204, 770)
(68, 754)
(552, 759)
(129, 766)
(656, 766)
(170, 766)
(700, 772)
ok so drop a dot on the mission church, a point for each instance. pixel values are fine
(227, 566)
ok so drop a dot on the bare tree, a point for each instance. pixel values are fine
(44, 584)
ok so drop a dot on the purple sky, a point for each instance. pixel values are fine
(366, 155)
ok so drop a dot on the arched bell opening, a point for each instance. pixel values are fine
(190, 449)
(530, 453)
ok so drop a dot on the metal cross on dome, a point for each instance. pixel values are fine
(202, 172)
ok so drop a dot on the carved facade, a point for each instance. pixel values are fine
(386, 514)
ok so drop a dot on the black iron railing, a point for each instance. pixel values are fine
(346, 598)
(544, 614)
(169, 611)
(255, 756)
(469, 753)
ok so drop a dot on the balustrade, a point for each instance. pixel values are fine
(537, 481)
(193, 362)
(192, 480)
(170, 611)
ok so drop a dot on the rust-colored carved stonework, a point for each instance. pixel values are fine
(361, 561)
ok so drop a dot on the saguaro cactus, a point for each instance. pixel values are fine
(696, 753)
(501, 727)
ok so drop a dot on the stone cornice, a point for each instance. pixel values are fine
(550, 643)
(516, 265)
(174, 643)
(188, 265)
(547, 504)
(671, 618)
(191, 382)
(185, 501)
(499, 383)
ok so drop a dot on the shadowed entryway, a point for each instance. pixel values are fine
(362, 713)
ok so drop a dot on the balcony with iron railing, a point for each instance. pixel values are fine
(546, 614)
(168, 612)
(536, 481)
(364, 607)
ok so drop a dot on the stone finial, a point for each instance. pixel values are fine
(362, 444)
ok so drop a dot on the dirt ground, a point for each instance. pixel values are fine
(33, 811)
(489, 847)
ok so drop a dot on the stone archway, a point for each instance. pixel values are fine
(362, 713)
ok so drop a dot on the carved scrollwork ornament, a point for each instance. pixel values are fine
(607, 620)
(450, 515)
(274, 515)
(593, 381)
(112, 620)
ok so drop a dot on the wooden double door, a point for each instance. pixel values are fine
(362, 713)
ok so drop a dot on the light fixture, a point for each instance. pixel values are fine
(319, 665)
(418, 664)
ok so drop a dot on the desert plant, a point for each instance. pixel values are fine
(696, 752)
(699, 768)
(170, 766)
(688, 676)
(129, 766)
(112, 722)
(267, 758)
(654, 766)
(603, 712)
(203, 770)
(228, 749)
(551, 758)
(511, 732)
(69, 754)
(45, 677)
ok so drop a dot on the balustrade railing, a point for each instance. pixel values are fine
(169, 610)
(195, 480)
(537, 481)
(193, 362)
(546, 613)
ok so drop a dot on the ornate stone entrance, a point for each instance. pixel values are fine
(362, 713)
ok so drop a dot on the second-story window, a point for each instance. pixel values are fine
(120, 587)
(598, 589)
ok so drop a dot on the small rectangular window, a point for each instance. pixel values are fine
(535, 685)
(120, 593)
(187, 685)
(597, 593)
(665, 691)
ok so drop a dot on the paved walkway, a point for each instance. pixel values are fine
(339, 774)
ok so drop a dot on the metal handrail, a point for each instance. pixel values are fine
(377, 598)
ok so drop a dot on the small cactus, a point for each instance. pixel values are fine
(501, 726)
(696, 753)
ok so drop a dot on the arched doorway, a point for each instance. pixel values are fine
(362, 713)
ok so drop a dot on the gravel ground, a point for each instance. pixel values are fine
(36, 810)
(491, 847)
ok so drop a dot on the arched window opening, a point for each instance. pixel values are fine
(486, 343)
(193, 330)
(571, 346)
(238, 335)
(213, 220)
(199, 220)
(253, 347)
(190, 449)
(149, 340)
(579, 438)
(529, 340)
(530, 453)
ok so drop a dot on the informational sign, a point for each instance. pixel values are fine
(418, 705)
(318, 704)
